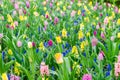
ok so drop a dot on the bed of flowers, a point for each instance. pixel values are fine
(59, 40)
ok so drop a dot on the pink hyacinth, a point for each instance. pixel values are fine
(106, 20)
(112, 38)
(14, 13)
(45, 23)
(27, 4)
(19, 43)
(50, 43)
(16, 6)
(95, 8)
(44, 70)
(16, 23)
(13, 77)
(97, 27)
(51, 4)
(101, 55)
(94, 41)
(56, 19)
(102, 35)
(116, 9)
(73, 13)
(1, 35)
(87, 77)
(118, 59)
(100, 7)
(117, 67)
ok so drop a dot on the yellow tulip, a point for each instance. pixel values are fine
(4, 76)
(79, 12)
(118, 35)
(58, 39)
(9, 18)
(118, 22)
(59, 58)
(36, 13)
(41, 46)
(74, 50)
(10, 52)
(30, 45)
(80, 34)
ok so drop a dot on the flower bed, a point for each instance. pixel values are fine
(59, 40)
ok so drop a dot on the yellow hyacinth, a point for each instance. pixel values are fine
(74, 50)
(59, 58)
(64, 33)
(118, 21)
(16, 70)
(82, 46)
(41, 46)
(9, 18)
(86, 19)
(80, 34)
(81, 25)
(58, 39)
(10, 52)
(4, 76)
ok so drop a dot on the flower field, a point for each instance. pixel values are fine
(59, 40)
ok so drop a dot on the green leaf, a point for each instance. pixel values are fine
(7, 65)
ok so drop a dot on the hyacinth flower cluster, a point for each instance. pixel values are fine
(59, 40)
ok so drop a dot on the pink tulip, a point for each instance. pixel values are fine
(102, 35)
(33, 44)
(100, 7)
(95, 8)
(73, 13)
(51, 4)
(116, 9)
(94, 41)
(101, 55)
(95, 33)
(56, 19)
(16, 23)
(19, 43)
(45, 23)
(16, 6)
(50, 43)
(27, 4)
(97, 27)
